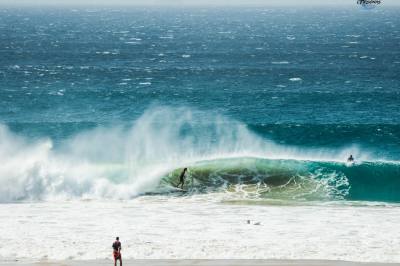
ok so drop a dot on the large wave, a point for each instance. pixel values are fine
(299, 180)
(123, 162)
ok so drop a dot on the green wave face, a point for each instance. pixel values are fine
(264, 179)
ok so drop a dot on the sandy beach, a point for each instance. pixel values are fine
(199, 263)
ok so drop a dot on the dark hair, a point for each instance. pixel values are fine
(117, 238)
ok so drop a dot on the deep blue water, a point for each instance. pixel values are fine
(62, 69)
(316, 78)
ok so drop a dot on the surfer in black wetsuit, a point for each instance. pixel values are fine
(182, 178)
(350, 159)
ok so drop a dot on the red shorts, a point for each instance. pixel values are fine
(117, 255)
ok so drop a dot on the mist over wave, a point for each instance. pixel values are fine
(122, 162)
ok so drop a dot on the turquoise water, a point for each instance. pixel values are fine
(87, 85)
(294, 179)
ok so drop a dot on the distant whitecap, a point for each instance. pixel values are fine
(280, 62)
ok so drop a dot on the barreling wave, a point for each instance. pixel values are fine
(259, 178)
(223, 156)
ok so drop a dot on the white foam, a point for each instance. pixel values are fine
(197, 228)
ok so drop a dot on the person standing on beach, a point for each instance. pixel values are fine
(182, 178)
(117, 252)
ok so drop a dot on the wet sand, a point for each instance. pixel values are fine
(198, 263)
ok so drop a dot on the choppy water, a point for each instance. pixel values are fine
(264, 103)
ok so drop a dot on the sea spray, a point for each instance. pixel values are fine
(117, 162)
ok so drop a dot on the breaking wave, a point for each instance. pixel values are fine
(259, 178)
(223, 155)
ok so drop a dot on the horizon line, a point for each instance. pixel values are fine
(77, 5)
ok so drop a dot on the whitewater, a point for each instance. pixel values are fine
(198, 227)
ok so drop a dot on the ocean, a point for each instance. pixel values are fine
(102, 108)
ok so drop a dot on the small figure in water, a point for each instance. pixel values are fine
(350, 159)
(117, 252)
(182, 178)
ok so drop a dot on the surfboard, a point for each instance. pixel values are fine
(177, 189)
